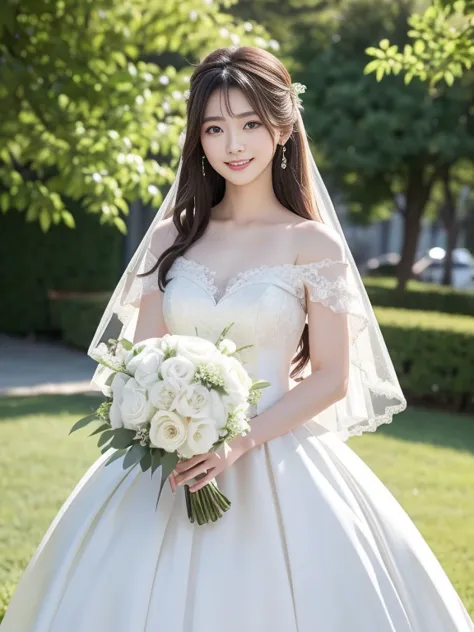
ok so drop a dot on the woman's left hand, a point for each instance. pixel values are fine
(209, 463)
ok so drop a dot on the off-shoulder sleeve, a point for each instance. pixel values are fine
(330, 283)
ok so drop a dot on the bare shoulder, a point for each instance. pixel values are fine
(317, 241)
(163, 236)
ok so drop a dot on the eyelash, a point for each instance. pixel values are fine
(248, 122)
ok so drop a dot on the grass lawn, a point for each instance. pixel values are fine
(425, 458)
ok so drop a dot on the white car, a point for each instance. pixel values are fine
(462, 272)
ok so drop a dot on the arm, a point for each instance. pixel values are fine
(150, 321)
(329, 355)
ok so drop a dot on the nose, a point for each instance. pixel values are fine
(234, 143)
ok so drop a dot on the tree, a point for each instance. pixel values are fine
(92, 99)
(383, 145)
(442, 45)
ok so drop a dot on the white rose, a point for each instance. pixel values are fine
(135, 408)
(227, 347)
(169, 343)
(168, 431)
(237, 382)
(195, 401)
(164, 394)
(178, 370)
(138, 351)
(242, 374)
(219, 411)
(116, 391)
(202, 434)
(196, 349)
(146, 373)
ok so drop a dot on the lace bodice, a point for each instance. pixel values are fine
(268, 308)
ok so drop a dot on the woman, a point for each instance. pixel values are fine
(313, 540)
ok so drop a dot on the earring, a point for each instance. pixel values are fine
(283, 160)
(202, 165)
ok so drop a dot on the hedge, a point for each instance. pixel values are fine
(420, 296)
(433, 354)
(85, 259)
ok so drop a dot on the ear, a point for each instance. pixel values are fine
(282, 138)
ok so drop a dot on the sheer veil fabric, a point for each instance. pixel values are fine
(374, 394)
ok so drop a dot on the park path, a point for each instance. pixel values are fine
(29, 367)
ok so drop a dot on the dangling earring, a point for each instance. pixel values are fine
(283, 160)
(202, 165)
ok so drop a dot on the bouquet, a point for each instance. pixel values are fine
(169, 399)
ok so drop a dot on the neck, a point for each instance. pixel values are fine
(250, 202)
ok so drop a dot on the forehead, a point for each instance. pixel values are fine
(217, 106)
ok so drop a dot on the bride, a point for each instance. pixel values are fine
(313, 540)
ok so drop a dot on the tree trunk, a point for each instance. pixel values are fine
(416, 196)
(451, 224)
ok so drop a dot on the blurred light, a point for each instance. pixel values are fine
(436, 253)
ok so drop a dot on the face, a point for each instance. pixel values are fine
(226, 139)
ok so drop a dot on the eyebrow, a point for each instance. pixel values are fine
(221, 118)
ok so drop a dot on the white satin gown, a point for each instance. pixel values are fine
(313, 542)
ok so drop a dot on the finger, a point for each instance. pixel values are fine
(202, 468)
(172, 482)
(183, 466)
(203, 481)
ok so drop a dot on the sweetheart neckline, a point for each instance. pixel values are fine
(219, 295)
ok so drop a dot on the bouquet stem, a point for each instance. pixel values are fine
(207, 504)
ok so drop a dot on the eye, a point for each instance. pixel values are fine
(208, 130)
(254, 123)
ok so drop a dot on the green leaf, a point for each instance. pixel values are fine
(373, 65)
(449, 77)
(126, 344)
(100, 429)
(155, 460)
(168, 462)
(68, 219)
(419, 47)
(134, 455)
(259, 384)
(145, 463)
(82, 423)
(384, 44)
(45, 220)
(121, 225)
(104, 437)
(123, 438)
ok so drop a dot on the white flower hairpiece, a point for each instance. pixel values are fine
(298, 88)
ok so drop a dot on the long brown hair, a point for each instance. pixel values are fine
(266, 84)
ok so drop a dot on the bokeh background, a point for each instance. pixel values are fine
(92, 103)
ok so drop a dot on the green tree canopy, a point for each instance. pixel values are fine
(384, 145)
(92, 98)
(441, 45)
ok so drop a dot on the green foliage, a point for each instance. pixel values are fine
(33, 264)
(375, 140)
(92, 99)
(420, 296)
(78, 317)
(442, 47)
(433, 354)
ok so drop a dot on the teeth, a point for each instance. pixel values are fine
(237, 164)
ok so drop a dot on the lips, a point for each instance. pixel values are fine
(239, 164)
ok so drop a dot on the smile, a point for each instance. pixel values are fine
(239, 165)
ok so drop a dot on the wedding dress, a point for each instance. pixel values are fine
(313, 542)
